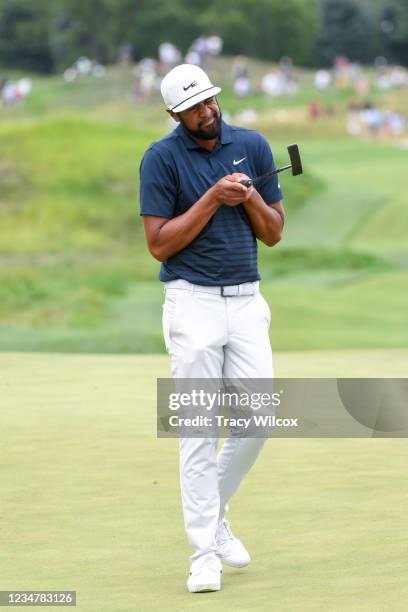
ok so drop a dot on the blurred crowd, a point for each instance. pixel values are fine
(13, 93)
(345, 74)
(363, 117)
(83, 67)
(149, 72)
(368, 120)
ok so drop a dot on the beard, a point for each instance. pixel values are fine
(209, 133)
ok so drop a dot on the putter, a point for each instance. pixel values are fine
(295, 164)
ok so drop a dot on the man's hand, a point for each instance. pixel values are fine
(166, 237)
(229, 190)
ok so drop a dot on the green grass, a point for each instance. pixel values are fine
(90, 497)
(370, 312)
(330, 310)
(75, 274)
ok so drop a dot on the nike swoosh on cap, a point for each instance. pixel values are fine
(236, 162)
(193, 84)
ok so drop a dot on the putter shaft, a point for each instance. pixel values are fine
(259, 179)
(295, 164)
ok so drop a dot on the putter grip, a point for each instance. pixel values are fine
(246, 182)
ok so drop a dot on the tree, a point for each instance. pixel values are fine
(24, 33)
(345, 29)
(266, 29)
(83, 28)
(394, 27)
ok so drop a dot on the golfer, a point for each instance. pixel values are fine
(203, 225)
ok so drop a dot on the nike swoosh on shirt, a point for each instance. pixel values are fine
(236, 162)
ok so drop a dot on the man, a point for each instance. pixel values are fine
(202, 224)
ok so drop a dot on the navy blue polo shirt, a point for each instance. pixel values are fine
(175, 172)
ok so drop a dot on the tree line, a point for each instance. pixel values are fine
(49, 35)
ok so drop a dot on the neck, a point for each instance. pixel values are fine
(205, 144)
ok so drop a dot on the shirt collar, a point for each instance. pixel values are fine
(225, 136)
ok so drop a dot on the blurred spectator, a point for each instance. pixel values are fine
(193, 57)
(353, 121)
(341, 72)
(395, 124)
(70, 75)
(279, 81)
(214, 45)
(399, 77)
(24, 87)
(169, 56)
(197, 53)
(362, 85)
(239, 67)
(392, 77)
(289, 82)
(322, 79)
(8, 93)
(354, 71)
(202, 48)
(380, 63)
(83, 67)
(371, 117)
(125, 54)
(146, 76)
(313, 110)
(292, 87)
(14, 93)
(368, 120)
(272, 83)
(286, 68)
(383, 81)
(242, 84)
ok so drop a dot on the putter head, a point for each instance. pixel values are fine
(295, 160)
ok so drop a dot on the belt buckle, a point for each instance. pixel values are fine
(229, 292)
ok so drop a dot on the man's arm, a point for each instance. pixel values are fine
(166, 237)
(267, 220)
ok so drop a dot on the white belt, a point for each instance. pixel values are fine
(225, 291)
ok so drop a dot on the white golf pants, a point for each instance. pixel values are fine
(211, 336)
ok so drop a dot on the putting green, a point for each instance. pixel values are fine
(90, 497)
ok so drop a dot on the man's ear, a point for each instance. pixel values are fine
(173, 115)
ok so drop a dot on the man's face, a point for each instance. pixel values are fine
(203, 120)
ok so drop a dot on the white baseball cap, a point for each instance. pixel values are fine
(186, 85)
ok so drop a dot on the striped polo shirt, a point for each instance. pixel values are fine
(175, 172)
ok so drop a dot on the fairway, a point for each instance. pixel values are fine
(90, 497)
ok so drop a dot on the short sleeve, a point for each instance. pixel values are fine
(270, 189)
(158, 186)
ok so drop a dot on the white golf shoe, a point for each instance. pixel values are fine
(205, 574)
(230, 550)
